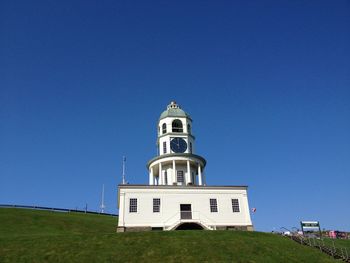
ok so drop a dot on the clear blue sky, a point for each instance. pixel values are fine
(266, 82)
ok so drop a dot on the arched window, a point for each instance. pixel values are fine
(188, 128)
(177, 126)
(164, 128)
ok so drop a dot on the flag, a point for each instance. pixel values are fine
(253, 209)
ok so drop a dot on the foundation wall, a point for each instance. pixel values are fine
(147, 228)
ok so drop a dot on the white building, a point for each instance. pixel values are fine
(177, 196)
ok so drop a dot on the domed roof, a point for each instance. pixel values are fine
(174, 110)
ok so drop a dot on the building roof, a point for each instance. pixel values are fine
(174, 110)
(146, 186)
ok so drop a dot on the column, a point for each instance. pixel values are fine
(204, 179)
(160, 174)
(121, 207)
(189, 180)
(151, 177)
(174, 173)
(166, 177)
(199, 175)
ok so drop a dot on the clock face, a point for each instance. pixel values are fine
(178, 145)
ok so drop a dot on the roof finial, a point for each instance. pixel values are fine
(173, 105)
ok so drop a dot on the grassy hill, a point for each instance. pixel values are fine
(43, 236)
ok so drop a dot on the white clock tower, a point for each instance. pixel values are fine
(176, 163)
(177, 196)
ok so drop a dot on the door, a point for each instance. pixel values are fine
(186, 212)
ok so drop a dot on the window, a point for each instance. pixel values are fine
(190, 147)
(180, 176)
(133, 205)
(235, 206)
(156, 205)
(164, 147)
(177, 126)
(164, 128)
(213, 205)
(157, 228)
(166, 177)
(188, 128)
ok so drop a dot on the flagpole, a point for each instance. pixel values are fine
(124, 161)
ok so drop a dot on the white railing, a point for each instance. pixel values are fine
(209, 222)
(189, 216)
(171, 221)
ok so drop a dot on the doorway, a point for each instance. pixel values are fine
(189, 226)
(186, 211)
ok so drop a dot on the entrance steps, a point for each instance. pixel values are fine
(195, 217)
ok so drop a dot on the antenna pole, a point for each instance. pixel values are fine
(103, 199)
(124, 162)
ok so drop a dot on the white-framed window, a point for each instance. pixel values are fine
(164, 128)
(166, 177)
(164, 147)
(133, 205)
(213, 205)
(235, 205)
(177, 126)
(156, 205)
(180, 176)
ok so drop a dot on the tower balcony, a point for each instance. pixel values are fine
(177, 169)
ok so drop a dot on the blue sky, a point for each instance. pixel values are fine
(267, 84)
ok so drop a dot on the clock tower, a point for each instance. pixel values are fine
(177, 196)
(176, 163)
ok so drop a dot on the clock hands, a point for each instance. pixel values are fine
(178, 145)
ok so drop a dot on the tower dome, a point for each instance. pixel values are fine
(176, 162)
(174, 110)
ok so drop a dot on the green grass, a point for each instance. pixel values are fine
(43, 236)
(339, 243)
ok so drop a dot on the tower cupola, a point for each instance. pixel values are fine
(175, 143)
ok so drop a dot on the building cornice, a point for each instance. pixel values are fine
(175, 117)
(186, 155)
(212, 187)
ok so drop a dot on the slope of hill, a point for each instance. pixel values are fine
(43, 236)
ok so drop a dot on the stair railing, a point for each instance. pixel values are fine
(166, 222)
(195, 216)
(332, 250)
